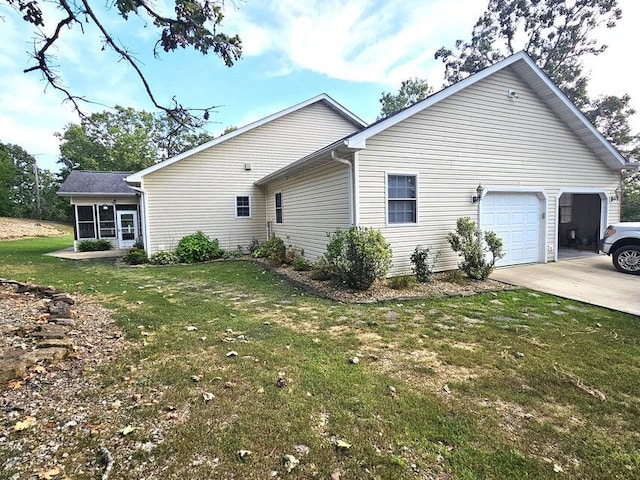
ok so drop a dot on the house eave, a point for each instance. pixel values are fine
(95, 194)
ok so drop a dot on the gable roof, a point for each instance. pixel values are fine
(323, 97)
(87, 182)
(527, 70)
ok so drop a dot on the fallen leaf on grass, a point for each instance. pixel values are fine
(196, 378)
(232, 353)
(557, 468)
(115, 405)
(290, 462)
(28, 422)
(242, 454)
(341, 443)
(207, 396)
(191, 328)
(126, 430)
(49, 474)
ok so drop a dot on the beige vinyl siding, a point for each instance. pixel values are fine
(477, 135)
(199, 192)
(313, 204)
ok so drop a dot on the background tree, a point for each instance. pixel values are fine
(411, 91)
(18, 192)
(124, 139)
(195, 23)
(557, 35)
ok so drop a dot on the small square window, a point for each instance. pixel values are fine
(243, 207)
(278, 201)
(566, 207)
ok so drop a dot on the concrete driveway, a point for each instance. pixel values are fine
(591, 280)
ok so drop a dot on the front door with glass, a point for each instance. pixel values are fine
(127, 228)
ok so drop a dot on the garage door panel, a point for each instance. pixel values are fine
(516, 219)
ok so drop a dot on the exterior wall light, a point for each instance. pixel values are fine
(615, 197)
(478, 196)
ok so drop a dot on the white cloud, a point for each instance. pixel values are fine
(361, 40)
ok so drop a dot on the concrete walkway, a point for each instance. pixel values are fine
(68, 253)
(591, 280)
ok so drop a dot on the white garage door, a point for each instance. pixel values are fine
(516, 218)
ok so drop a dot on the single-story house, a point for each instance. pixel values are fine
(104, 207)
(504, 146)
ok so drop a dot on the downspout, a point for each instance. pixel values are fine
(145, 232)
(352, 203)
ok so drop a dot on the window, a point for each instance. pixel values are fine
(243, 207)
(401, 199)
(107, 221)
(279, 207)
(566, 206)
(86, 224)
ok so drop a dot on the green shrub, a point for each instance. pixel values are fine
(454, 276)
(401, 282)
(469, 242)
(136, 256)
(253, 245)
(231, 254)
(164, 258)
(94, 245)
(301, 264)
(358, 256)
(197, 247)
(420, 260)
(139, 244)
(321, 270)
(273, 249)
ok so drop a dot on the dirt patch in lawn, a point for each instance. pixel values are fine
(13, 228)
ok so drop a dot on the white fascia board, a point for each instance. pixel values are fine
(137, 177)
(95, 194)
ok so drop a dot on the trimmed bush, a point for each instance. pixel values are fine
(273, 249)
(402, 282)
(301, 264)
(197, 247)
(136, 256)
(421, 267)
(321, 270)
(94, 245)
(164, 258)
(475, 248)
(231, 254)
(358, 256)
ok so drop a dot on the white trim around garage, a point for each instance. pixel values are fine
(604, 210)
(544, 221)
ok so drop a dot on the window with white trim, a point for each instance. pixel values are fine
(243, 206)
(566, 207)
(402, 205)
(278, 202)
(106, 214)
(86, 222)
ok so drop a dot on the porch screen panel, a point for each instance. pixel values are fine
(86, 221)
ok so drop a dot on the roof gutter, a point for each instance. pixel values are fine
(352, 185)
(145, 217)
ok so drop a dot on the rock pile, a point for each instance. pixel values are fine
(46, 338)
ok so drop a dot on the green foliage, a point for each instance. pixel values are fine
(273, 250)
(301, 264)
(125, 140)
(231, 254)
(420, 260)
(411, 91)
(94, 245)
(358, 256)
(401, 282)
(197, 247)
(468, 241)
(136, 256)
(253, 246)
(455, 276)
(321, 270)
(630, 200)
(164, 257)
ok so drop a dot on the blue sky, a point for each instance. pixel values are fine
(293, 50)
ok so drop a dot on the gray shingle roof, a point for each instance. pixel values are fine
(95, 183)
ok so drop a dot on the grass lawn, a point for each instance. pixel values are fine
(510, 385)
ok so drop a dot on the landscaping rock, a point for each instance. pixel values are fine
(60, 309)
(67, 322)
(60, 297)
(50, 331)
(56, 343)
(46, 354)
(13, 368)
